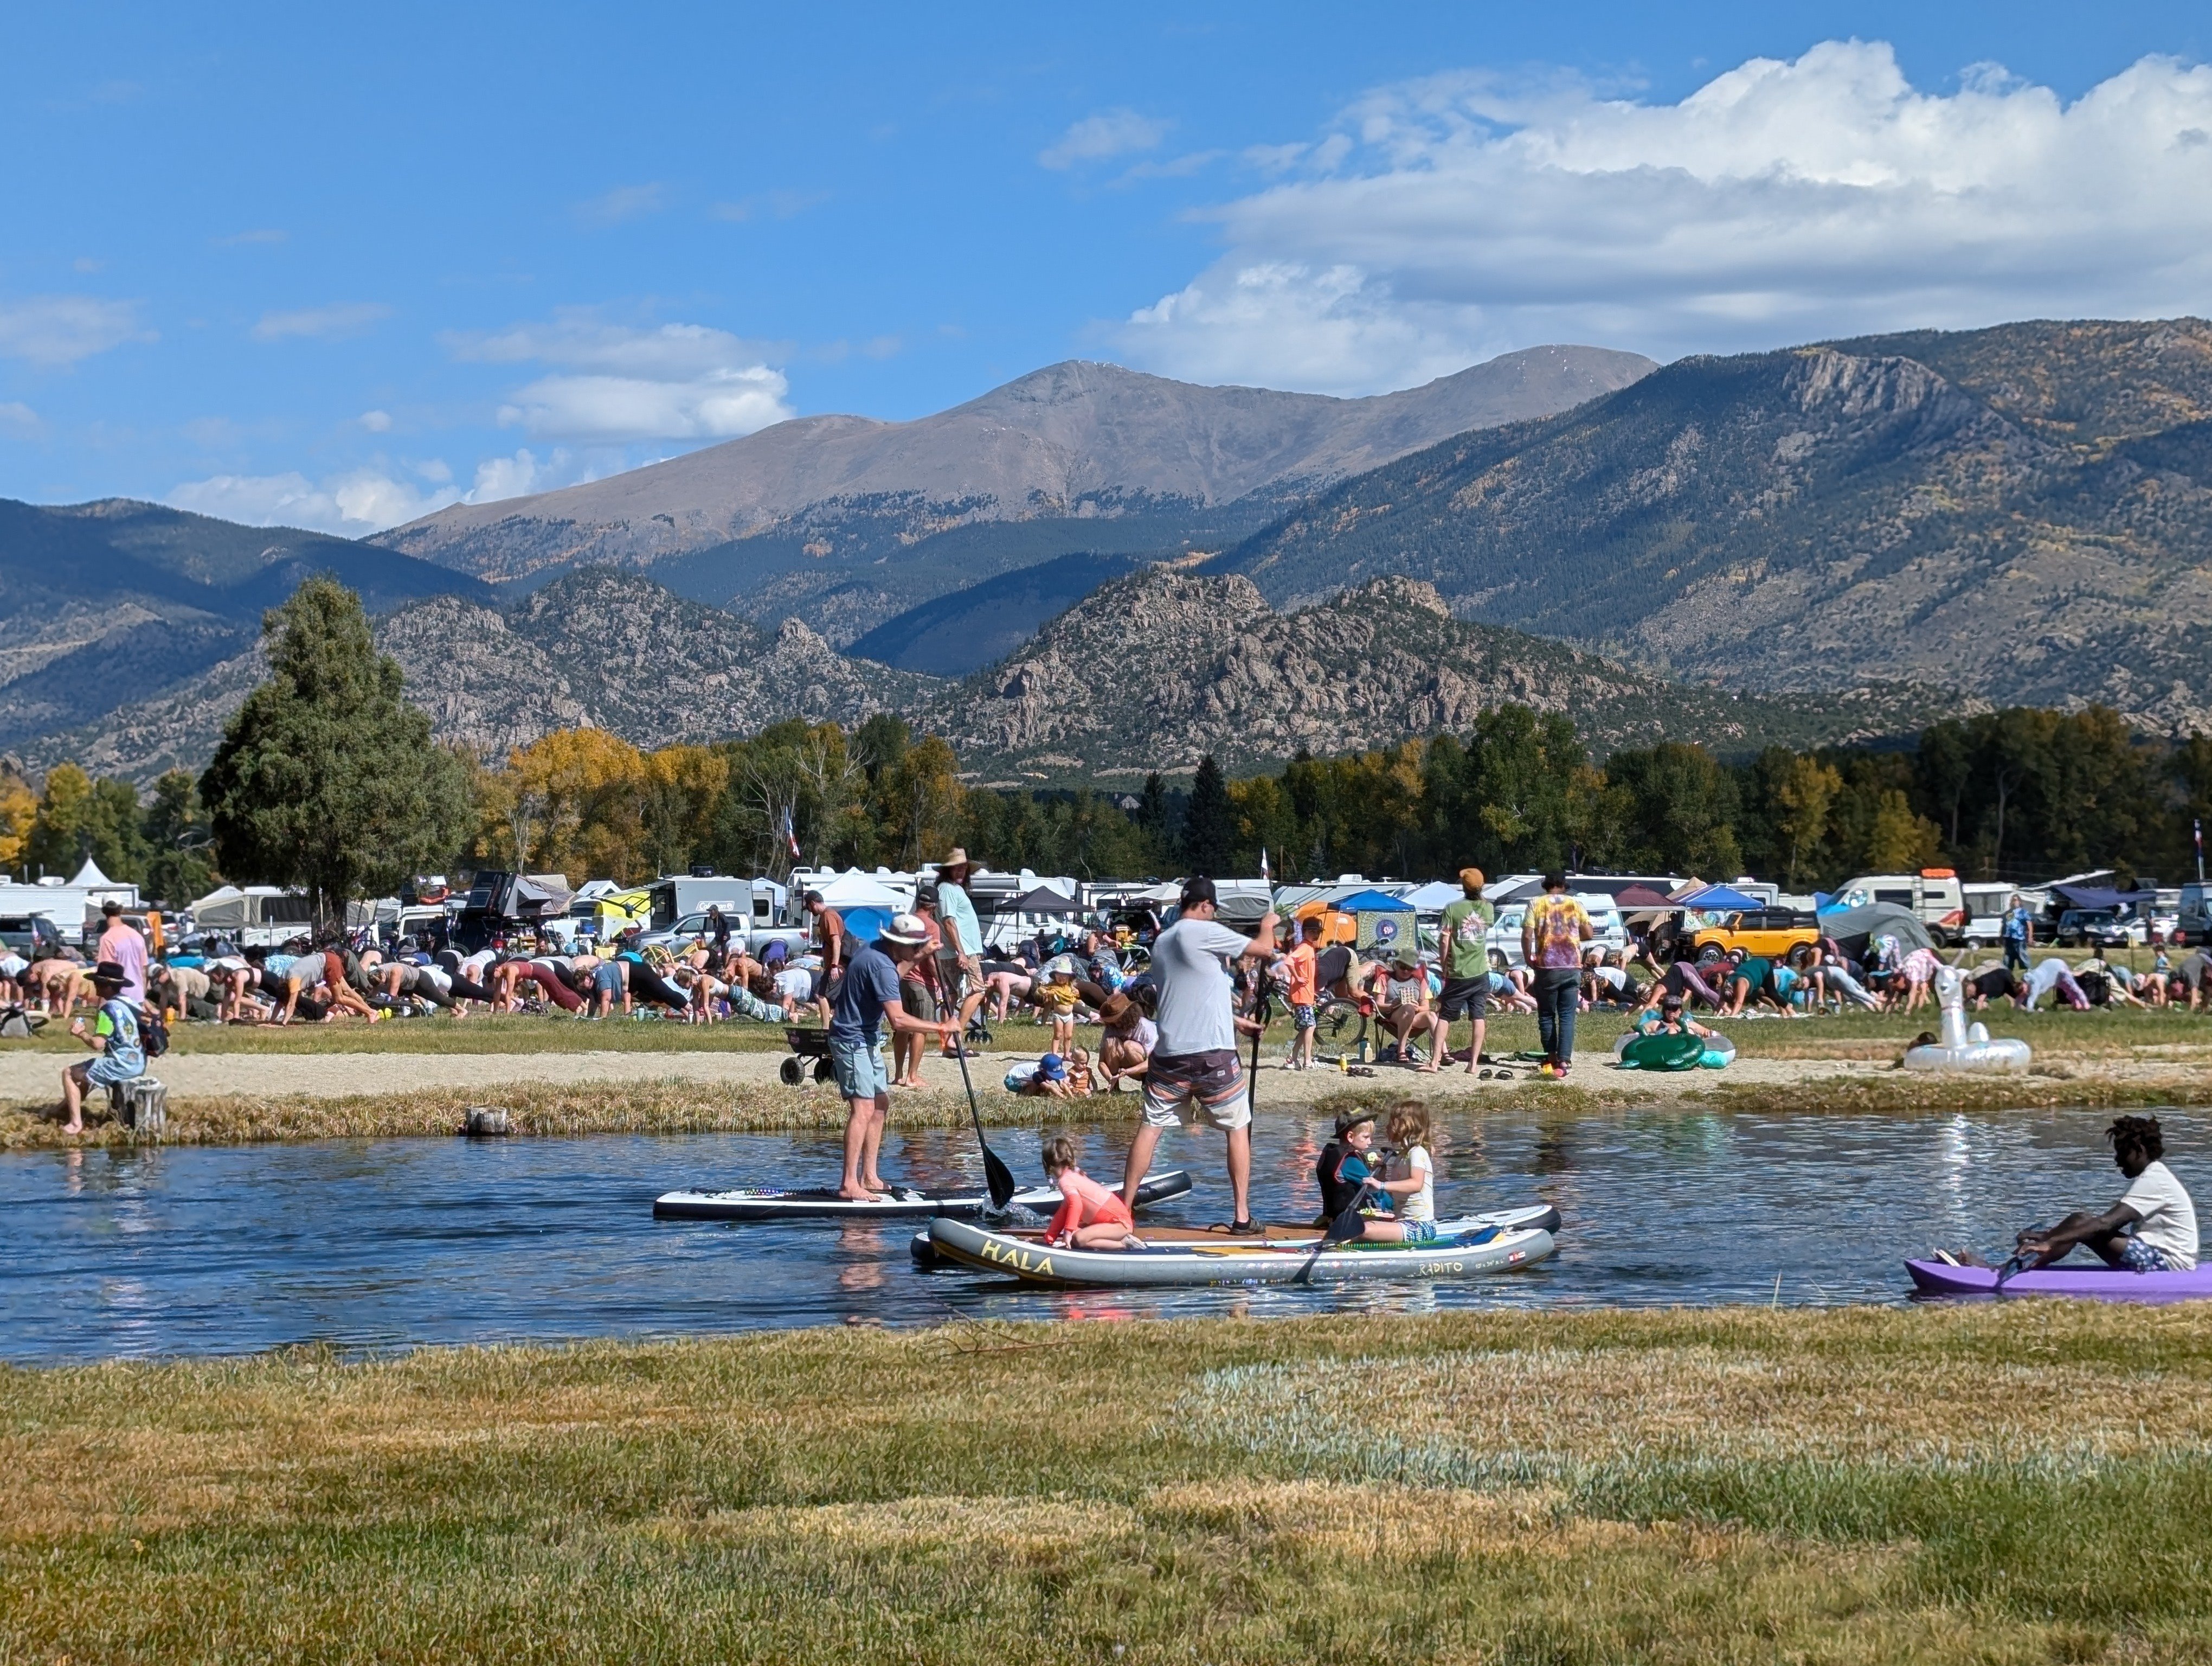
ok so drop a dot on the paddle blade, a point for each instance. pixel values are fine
(998, 1177)
(1345, 1227)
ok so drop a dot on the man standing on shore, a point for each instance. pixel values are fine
(1466, 944)
(1194, 1070)
(867, 998)
(1553, 933)
(960, 955)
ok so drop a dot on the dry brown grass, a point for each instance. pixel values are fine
(2023, 1483)
(666, 1107)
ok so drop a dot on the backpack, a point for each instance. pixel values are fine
(153, 1031)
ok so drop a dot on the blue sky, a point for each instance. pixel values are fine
(337, 267)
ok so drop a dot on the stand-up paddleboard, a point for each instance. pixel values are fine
(1542, 1217)
(2100, 1283)
(1463, 1248)
(822, 1203)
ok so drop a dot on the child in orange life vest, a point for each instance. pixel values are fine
(1090, 1217)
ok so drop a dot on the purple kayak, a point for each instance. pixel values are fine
(2108, 1284)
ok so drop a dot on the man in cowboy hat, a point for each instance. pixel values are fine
(867, 999)
(960, 955)
(113, 1038)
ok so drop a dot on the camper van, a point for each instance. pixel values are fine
(1934, 894)
(1985, 907)
(251, 915)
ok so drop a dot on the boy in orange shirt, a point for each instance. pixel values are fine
(1303, 993)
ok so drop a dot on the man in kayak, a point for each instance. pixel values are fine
(2152, 1229)
(867, 998)
(1194, 1071)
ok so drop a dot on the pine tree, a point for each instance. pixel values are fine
(325, 778)
(1208, 830)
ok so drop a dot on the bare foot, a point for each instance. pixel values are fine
(856, 1194)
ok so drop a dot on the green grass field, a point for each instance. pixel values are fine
(2027, 1483)
(2103, 1031)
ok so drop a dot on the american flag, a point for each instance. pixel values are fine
(790, 835)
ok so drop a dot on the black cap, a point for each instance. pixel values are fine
(1197, 889)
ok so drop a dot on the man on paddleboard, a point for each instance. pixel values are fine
(1195, 1072)
(867, 999)
(2152, 1229)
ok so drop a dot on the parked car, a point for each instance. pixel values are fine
(27, 932)
(2101, 928)
(1771, 932)
(1934, 893)
(2193, 911)
(692, 927)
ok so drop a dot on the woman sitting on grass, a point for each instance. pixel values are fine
(1089, 1216)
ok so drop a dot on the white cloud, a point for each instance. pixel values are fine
(1109, 133)
(57, 330)
(623, 202)
(333, 323)
(1447, 219)
(376, 421)
(19, 421)
(353, 504)
(618, 384)
(238, 239)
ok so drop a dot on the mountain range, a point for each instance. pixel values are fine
(104, 604)
(1155, 670)
(2018, 514)
(845, 521)
(2024, 512)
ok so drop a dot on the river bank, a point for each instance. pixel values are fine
(223, 1102)
(1670, 1487)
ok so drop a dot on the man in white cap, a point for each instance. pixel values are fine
(960, 956)
(866, 999)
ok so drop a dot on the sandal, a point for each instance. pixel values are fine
(1246, 1228)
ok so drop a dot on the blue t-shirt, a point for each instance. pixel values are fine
(2015, 925)
(872, 982)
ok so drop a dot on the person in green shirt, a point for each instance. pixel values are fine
(1466, 953)
(1747, 981)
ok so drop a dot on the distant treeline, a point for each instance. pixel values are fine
(2015, 795)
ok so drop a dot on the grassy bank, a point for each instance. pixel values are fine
(1990, 1485)
(598, 1108)
(2103, 1033)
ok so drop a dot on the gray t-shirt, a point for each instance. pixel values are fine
(1196, 1011)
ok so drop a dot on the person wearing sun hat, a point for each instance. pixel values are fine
(960, 950)
(113, 1038)
(867, 999)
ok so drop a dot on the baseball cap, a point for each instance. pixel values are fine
(906, 929)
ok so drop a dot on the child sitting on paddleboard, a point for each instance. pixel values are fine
(1350, 1163)
(1089, 1216)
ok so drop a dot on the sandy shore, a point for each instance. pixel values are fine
(26, 1076)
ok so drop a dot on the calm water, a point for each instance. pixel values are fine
(382, 1243)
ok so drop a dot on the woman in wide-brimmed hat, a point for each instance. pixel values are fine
(113, 1038)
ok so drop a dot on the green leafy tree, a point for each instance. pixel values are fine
(1209, 829)
(178, 841)
(80, 818)
(326, 779)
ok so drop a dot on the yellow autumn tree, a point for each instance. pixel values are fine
(579, 805)
(682, 790)
(1901, 841)
(19, 810)
(1803, 800)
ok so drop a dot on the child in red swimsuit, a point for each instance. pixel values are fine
(1090, 1217)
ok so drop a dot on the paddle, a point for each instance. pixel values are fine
(996, 1175)
(1345, 1227)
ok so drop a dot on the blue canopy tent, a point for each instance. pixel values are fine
(1381, 922)
(2098, 897)
(1718, 899)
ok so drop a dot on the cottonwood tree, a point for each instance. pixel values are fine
(326, 779)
